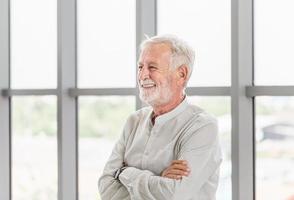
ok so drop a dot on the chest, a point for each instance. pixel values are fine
(152, 148)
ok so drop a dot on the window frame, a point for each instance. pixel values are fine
(5, 140)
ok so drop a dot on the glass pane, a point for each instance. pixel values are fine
(33, 25)
(106, 43)
(101, 121)
(273, 42)
(34, 148)
(206, 25)
(274, 148)
(220, 107)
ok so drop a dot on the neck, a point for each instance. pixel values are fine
(161, 109)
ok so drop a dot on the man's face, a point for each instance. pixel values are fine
(156, 78)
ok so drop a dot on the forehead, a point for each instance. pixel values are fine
(155, 53)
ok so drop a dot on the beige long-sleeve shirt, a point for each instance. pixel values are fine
(187, 132)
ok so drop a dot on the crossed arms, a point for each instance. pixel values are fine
(201, 153)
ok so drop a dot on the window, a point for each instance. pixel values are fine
(33, 29)
(273, 43)
(274, 147)
(106, 43)
(206, 26)
(101, 121)
(34, 148)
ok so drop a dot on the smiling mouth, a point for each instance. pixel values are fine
(147, 85)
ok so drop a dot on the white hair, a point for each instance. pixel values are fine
(182, 52)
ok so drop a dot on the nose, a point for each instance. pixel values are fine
(143, 73)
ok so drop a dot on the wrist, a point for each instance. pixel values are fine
(118, 172)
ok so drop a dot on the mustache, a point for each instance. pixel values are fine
(146, 81)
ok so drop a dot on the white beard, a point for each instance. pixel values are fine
(156, 95)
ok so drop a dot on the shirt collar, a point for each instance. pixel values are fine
(171, 114)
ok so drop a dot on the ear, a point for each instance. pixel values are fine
(182, 74)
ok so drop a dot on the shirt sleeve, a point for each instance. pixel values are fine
(110, 188)
(200, 149)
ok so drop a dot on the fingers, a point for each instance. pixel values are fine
(177, 170)
(180, 164)
(181, 167)
(172, 176)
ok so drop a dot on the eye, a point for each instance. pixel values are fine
(140, 67)
(152, 68)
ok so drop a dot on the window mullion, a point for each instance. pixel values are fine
(145, 26)
(253, 91)
(67, 106)
(5, 142)
(242, 106)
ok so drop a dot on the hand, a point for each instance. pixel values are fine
(176, 170)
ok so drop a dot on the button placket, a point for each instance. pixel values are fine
(144, 157)
(146, 152)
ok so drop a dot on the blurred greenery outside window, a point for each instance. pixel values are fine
(34, 148)
(274, 140)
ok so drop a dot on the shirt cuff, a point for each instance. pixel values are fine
(129, 175)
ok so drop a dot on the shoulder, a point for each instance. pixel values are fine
(202, 127)
(199, 117)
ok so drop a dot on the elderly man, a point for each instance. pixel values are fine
(170, 150)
